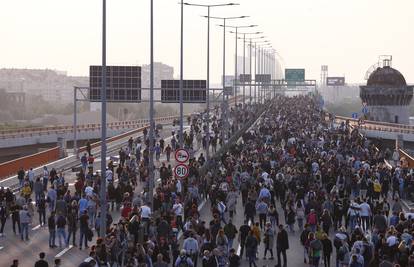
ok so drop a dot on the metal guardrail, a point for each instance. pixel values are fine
(378, 125)
(39, 131)
(31, 132)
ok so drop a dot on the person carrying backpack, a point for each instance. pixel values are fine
(312, 220)
(183, 260)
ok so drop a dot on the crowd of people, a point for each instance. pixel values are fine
(295, 173)
(73, 214)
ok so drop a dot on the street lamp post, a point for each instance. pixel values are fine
(244, 58)
(236, 58)
(224, 109)
(102, 231)
(208, 67)
(151, 112)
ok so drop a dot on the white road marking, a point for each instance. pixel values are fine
(36, 227)
(60, 254)
(1, 248)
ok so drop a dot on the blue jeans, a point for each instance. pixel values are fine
(92, 214)
(352, 221)
(62, 235)
(52, 237)
(300, 223)
(24, 231)
(37, 198)
(51, 205)
(230, 243)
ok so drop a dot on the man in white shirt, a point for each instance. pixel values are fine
(179, 212)
(145, 213)
(365, 213)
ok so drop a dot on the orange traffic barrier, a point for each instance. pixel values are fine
(10, 168)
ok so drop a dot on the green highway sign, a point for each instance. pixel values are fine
(295, 75)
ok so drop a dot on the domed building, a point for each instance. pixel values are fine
(387, 95)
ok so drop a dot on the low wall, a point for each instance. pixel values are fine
(12, 167)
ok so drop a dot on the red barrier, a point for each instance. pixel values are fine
(10, 168)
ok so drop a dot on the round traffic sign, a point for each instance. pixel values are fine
(181, 155)
(181, 171)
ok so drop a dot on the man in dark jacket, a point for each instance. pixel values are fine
(250, 210)
(282, 244)
(51, 223)
(41, 262)
(243, 232)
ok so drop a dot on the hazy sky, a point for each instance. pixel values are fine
(347, 35)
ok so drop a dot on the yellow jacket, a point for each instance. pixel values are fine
(26, 191)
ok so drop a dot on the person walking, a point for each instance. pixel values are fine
(61, 230)
(327, 250)
(191, 247)
(41, 210)
(72, 223)
(282, 244)
(25, 219)
(262, 209)
(243, 233)
(251, 249)
(51, 224)
(15, 211)
(315, 249)
(230, 231)
(3, 217)
(269, 240)
(273, 216)
(83, 229)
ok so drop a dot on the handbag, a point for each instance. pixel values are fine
(89, 234)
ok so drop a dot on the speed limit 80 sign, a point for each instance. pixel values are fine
(181, 171)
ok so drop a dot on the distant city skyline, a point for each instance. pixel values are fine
(348, 36)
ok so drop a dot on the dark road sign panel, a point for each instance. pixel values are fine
(335, 81)
(194, 91)
(229, 90)
(123, 83)
(263, 78)
(245, 78)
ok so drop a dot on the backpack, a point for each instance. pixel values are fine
(356, 264)
(312, 219)
(316, 244)
(337, 242)
(341, 254)
(304, 237)
(367, 253)
(183, 262)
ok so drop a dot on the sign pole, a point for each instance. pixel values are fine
(208, 85)
(102, 231)
(181, 135)
(75, 126)
(244, 68)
